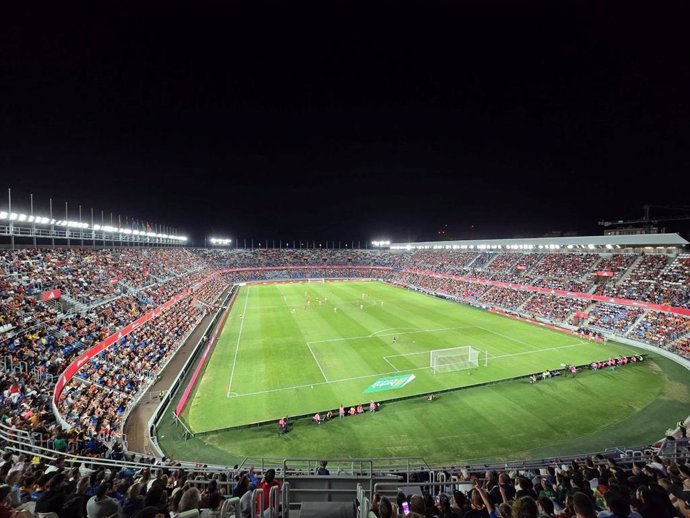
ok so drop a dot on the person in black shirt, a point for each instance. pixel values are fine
(52, 500)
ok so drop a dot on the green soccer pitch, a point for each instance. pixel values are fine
(296, 349)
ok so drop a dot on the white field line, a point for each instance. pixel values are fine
(377, 375)
(506, 336)
(237, 346)
(389, 363)
(390, 329)
(491, 357)
(317, 363)
(345, 338)
(331, 303)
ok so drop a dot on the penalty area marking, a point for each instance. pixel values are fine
(491, 356)
(346, 338)
(391, 329)
(380, 374)
(317, 363)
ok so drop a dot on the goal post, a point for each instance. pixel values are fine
(314, 280)
(456, 359)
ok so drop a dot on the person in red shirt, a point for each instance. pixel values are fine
(267, 482)
(6, 510)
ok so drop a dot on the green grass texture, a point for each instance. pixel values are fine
(292, 349)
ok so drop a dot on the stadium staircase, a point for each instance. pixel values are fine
(630, 269)
(637, 321)
(128, 288)
(73, 305)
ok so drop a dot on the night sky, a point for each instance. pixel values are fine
(359, 120)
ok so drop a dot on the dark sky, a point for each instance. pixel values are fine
(289, 120)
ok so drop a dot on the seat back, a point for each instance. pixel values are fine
(230, 506)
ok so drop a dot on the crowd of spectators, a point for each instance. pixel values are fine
(554, 307)
(680, 347)
(28, 488)
(639, 281)
(614, 318)
(101, 392)
(590, 488)
(659, 328)
(39, 339)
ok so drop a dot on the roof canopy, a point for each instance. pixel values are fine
(553, 243)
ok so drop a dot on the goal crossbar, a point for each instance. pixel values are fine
(455, 358)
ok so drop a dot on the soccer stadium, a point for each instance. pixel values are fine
(338, 259)
(436, 362)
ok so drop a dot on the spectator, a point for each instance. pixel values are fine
(133, 501)
(190, 500)
(583, 506)
(52, 500)
(6, 510)
(102, 505)
(212, 510)
(267, 482)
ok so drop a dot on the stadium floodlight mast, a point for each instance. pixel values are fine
(219, 241)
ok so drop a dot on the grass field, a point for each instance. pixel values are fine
(273, 350)
(293, 349)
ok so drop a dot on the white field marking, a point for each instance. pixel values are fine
(491, 356)
(389, 363)
(345, 338)
(390, 329)
(506, 336)
(317, 363)
(237, 346)
(269, 391)
(296, 304)
(377, 375)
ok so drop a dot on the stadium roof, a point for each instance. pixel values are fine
(577, 242)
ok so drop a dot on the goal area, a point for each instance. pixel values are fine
(455, 359)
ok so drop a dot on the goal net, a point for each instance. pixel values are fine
(314, 280)
(454, 359)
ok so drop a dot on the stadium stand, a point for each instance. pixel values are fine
(71, 457)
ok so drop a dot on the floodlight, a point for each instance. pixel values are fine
(13, 216)
(219, 241)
